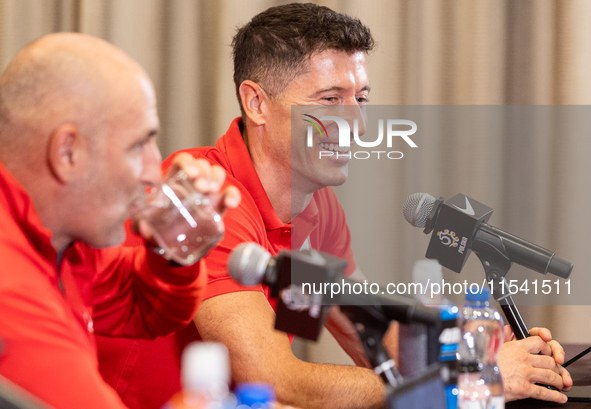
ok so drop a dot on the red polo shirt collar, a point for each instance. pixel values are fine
(20, 205)
(243, 170)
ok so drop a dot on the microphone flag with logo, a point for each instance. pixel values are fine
(455, 227)
(298, 312)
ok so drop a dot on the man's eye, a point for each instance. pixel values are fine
(140, 145)
(331, 99)
(362, 100)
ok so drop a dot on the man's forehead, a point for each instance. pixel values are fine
(334, 69)
(358, 56)
(135, 119)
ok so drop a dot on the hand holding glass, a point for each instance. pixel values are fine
(184, 221)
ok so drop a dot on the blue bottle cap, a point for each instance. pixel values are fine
(480, 295)
(449, 312)
(251, 393)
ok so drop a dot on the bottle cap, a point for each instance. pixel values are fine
(205, 367)
(482, 294)
(425, 270)
(251, 393)
(449, 312)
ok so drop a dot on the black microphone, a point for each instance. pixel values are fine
(303, 313)
(250, 265)
(459, 226)
(299, 312)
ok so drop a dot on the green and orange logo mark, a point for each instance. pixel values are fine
(315, 125)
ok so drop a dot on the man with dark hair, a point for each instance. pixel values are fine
(273, 47)
(296, 54)
(77, 150)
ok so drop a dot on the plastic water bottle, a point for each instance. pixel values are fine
(479, 378)
(473, 392)
(205, 378)
(255, 396)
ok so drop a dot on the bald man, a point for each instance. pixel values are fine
(77, 150)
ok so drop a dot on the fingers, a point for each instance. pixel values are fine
(278, 405)
(543, 333)
(535, 345)
(547, 376)
(557, 352)
(229, 199)
(522, 366)
(567, 380)
(508, 332)
(543, 362)
(205, 177)
(142, 228)
(546, 371)
(218, 176)
(543, 393)
(556, 349)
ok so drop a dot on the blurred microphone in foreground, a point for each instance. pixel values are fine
(301, 280)
(310, 276)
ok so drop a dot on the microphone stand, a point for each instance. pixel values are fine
(496, 262)
(371, 325)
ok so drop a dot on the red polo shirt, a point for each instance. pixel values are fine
(146, 373)
(48, 316)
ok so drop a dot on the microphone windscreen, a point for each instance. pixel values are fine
(417, 208)
(247, 264)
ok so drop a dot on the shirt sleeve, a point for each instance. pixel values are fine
(136, 293)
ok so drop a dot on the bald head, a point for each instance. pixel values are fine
(62, 77)
(77, 124)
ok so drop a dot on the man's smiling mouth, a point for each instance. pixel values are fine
(334, 147)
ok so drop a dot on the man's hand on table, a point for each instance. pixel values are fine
(535, 359)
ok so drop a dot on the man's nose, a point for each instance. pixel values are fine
(151, 159)
(355, 114)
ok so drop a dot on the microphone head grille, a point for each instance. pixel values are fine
(417, 208)
(247, 264)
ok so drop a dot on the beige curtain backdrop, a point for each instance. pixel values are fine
(462, 52)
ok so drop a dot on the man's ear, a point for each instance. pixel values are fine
(67, 152)
(254, 101)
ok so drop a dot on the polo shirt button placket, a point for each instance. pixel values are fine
(286, 237)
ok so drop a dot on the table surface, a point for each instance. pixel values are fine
(581, 374)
